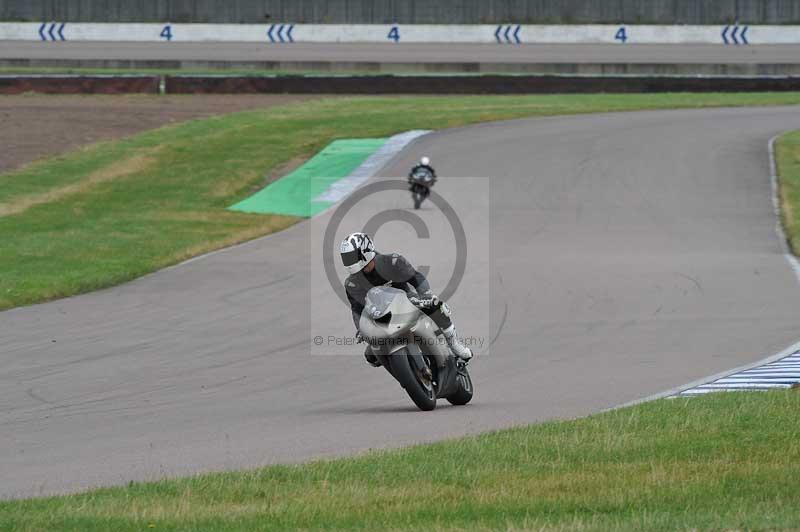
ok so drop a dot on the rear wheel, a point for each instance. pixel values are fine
(463, 395)
(418, 386)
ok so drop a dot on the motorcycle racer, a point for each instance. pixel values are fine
(425, 163)
(368, 268)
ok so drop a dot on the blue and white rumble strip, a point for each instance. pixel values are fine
(779, 371)
(782, 373)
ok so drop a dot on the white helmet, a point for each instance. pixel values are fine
(425, 161)
(356, 250)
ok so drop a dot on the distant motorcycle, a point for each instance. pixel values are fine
(404, 340)
(420, 181)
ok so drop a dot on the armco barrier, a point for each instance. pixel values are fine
(486, 84)
(480, 84)
(54, 84)
(288, 33)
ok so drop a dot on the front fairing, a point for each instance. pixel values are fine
(387, 314)
(422, 176)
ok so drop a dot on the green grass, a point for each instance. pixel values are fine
(787, 156)
(117, 210)
(725, 461)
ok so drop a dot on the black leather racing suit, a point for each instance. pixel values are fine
(426, 166)
(395, 271)
(417, 167)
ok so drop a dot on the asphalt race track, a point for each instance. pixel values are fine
(630, 254)
(405, 53)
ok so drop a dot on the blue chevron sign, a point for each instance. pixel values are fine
(280, 34)
(741, 38)
(509, 36)
(44, 32)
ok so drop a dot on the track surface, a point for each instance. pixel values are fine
(406, 53)
(637, 252)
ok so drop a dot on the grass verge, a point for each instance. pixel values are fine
(787, 159)
(722, 461)
(117, 210)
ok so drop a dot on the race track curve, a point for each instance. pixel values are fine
(630, 254)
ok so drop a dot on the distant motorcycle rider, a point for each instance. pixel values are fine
(424, 163)
(421, 179)
(368, 268)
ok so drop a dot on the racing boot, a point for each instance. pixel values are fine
(456, 347)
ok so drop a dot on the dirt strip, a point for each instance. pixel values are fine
(35, 126)
(55, 84)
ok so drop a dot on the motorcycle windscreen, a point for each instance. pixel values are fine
(379, 299)
(422, 175)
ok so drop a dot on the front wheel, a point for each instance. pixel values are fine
(418, 387)
(463, 395)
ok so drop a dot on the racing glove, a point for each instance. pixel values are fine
(428, 301)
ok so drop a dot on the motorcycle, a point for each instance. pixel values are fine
(404, 340)
(420, 182)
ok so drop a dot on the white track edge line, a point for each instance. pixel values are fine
(776, 205)
(708, 380)
(795, 266)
